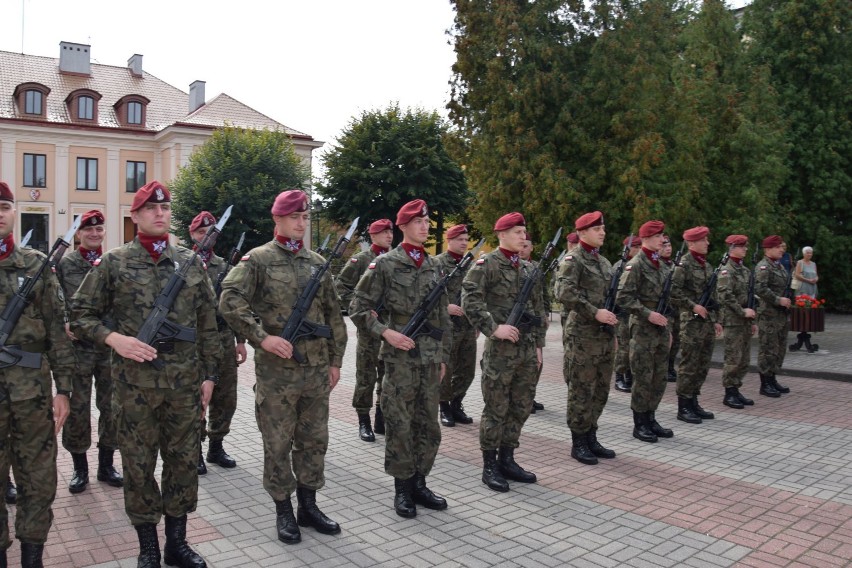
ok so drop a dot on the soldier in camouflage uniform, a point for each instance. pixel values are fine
(623, 373)
(223, 403)
(410, 392)
(291, 398)
(526, 254)
(737, 320)
(512, 356)
(369, 369)
(699, 325)
(462, 366)
(30, 417)
(771, 288)
(674, 319)
(641, 288)
(92, 360)
(583, 282)
(572, 242)
(157, 411)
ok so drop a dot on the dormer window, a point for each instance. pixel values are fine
(131, 110)
(83, 104)
(134, 113)
(85, 108)
(34, 102)
(31, 99)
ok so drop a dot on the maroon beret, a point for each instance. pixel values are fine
(290, 201)
(6, 193)
(573, 238)
(456, 230)
(92, 218)
(651, 228)
(695, 233)
(589, 220)
(379, 226)
(736, 240)
(508, 221)
(634, 243)
(410, 210)
(153, 192)
(203, 219)
(772, 241)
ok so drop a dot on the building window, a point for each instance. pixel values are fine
(33, 102)
(35, 170)
(87, 174)
(85, 108)
(134, 113)
(135, 176)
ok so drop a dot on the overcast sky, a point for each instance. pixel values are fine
(311, 64)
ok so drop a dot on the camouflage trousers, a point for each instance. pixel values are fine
(622, 351)
(675, 329)
(587, 367)
(27, 442)
(649, 356)
(223, 403)
(154, 421)
(696, 339)
(772, 339)
(77, 431)
(410, 406)
(737, 355)
(509, 378)
(291, 409)
(369, 373)
(462, 366)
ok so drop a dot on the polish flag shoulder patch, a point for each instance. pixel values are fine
(480, 261)
(372, 265)
(724, 273)
(762, 267)
(628, 268)
(245, 257)
(97, 262)
(353, 260)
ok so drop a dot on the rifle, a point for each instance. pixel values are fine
(751, 301)
(663, 303)
(13, 354)
(553, 264)
(518, 317)
(612, 291)
(233, 260)
(706, 300)
(323, 248)
(156, 330)
(457, 300)
(297, 325)
(26, 240)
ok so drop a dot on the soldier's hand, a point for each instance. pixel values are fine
(507, 332)
(749, 313)
(242, 355)
(442, 372)
(718, 328)
(333, 377)
(61, 410)
(455, 310)
(606, 317)
(700, 311)
(657, 318)
(784, 302)
(206, 394)
(277, 346)
(68, 332)
(398, 340)
(130, 347)
(374, 313)
(539, 356)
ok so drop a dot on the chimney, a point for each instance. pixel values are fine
(196, 95)
(74, 58)
(135, 65)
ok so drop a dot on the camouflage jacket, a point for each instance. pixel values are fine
(71, 270)
(690, 279)
(395, 277)
(125, 282)
(350, 274)
(266, 283)
(454, 288)
(41, 328)
(583, 284)
(215, 267)
(641, 287)
(489, 291)
(770, 283)
(733, 293)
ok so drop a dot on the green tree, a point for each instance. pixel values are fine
(385, 158)
(243, 168)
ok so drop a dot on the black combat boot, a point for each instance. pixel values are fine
(619, 383)
(11, 491)
(696, 408)
(537, 405)
(106, 470)
(379, 425)
(671, 375)
(685, 411)
(3, 563)
(422, 495)
(732, 398)
(766, 387)
(309, 515)
(31, 555)
(642, 428)
(202, 467)
(628, 380)
(744, 400)
(459, 414)
(285, 522)
(780, 388)
(656, 428)
(596, 447)
(80, 478)
(149, 546)
(446, 414)
(177, 551)
(580, 448)
(402, 501)
(510, 469)
(365, 429)
(491, 475)
(217, 454)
